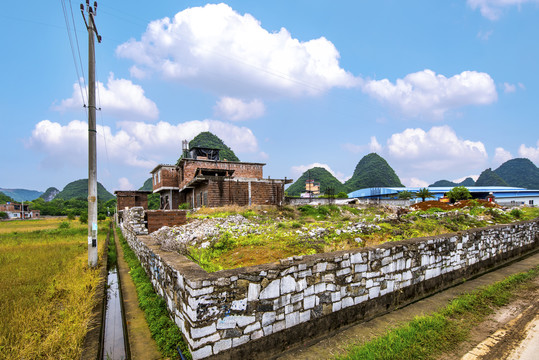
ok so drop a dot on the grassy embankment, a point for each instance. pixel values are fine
(427, 337)
(46, 288)
(165, 332)
(277, 233)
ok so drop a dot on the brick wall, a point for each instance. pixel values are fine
(259, 311)
(131, 199)
(221, 192)
(188, 168)
(165, 176)
(158, 218)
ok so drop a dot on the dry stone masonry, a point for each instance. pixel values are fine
(258, 311)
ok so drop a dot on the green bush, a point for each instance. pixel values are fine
(3, 215)
(516, 213)
(459, 193)
(184, 206)
(83, 218)
(342, 195)
(64, 225)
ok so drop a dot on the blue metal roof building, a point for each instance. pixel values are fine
(502, 194)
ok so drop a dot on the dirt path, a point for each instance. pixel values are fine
(142, 346)
(501, 335)
(337, 343)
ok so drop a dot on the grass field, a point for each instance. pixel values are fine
(46, 288)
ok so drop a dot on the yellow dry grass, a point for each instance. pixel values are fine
(46, 291)
(35, 224)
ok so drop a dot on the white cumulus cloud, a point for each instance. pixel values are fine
(135, 144)
(436, 150)
(500, 156)
(493, 9)
(220, 50)
(531, 152)
(119, 97)
(431, 95)
(509, 88)
(238, 110)
(124, 184)
(414, 182)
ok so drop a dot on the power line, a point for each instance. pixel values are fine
(78, 49)
(66, 18)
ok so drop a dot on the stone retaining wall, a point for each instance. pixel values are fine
(258, 311)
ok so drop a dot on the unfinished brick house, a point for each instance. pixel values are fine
(201, 178)
(132, 198)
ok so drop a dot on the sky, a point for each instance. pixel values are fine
(440, 89)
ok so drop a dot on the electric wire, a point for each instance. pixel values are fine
(78, 48)
(66, 18)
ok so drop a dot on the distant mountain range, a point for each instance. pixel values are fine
(75, 189)
(19, 195)
(518, 172)
(371, 171)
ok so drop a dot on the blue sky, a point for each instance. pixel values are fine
(441, 90)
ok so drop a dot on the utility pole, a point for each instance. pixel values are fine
(92, 132)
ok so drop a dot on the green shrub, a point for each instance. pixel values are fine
(3, 215)
(184, 206)
(70, 215)
(101, 216)
(64, 225)
(516, 213)
(83, 218)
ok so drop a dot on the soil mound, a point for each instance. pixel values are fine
(425, 205)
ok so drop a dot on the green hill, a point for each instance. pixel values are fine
(148, 185)
(79, 189)
(446, 183)
(372, 171)
(519, 172)
(21, 194)
(467, 182)
(443, 183)
(5, 199)
(490, 178)
(50, 194)
(320, 175)
(207, 140)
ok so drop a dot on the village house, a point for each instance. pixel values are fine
(18, 211)
(202, 178)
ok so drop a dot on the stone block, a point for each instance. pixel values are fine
(288, 285)
(240, 341)
(271, 291)
(202, 353)
(222, 345)
(268, 318)
(292, 319)
(254, 292)
(250, 328)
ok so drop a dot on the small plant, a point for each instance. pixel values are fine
(64, 225)
(70, 215)
(83, 218)
(516, 213)
(184, 206)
